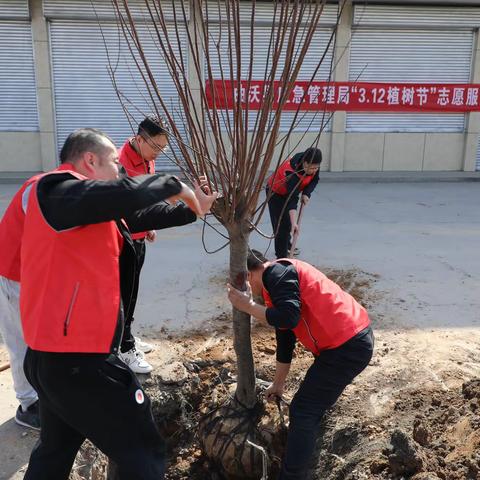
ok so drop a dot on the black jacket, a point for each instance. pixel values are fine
(282, 284)
(67, 202)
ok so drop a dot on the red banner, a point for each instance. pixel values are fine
(349, 96)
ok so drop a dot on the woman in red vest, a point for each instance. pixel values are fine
(302, 304)
(297, 175)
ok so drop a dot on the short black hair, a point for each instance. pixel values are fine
(81, 141)
(255, 260)
(152, 126)
(312, 155)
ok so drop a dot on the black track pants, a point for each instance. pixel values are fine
(92, 396)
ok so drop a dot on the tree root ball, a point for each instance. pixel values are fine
(225, 433)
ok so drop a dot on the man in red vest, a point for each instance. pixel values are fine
(138, 156)
(302, 304)
(77, 272)
(295, 176)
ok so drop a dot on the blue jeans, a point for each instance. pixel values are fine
(324, 382)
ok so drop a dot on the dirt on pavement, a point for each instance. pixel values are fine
(414, 413)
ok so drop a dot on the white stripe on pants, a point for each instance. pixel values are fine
(11, 330)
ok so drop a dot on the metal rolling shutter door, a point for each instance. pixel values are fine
(14, 9)
(264, 13)
(83, 91)
(437, 54)
(18, 95)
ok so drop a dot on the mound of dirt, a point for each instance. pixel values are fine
(432, 435)
(356, 282)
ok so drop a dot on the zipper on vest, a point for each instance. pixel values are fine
(311, 336)
(70, 308)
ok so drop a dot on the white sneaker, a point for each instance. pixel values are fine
(135, 360)
(144, 347)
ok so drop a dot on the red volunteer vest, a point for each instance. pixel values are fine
(11, 231)
(135, 165)
(278, 180)
(329, 316)
(70, 289)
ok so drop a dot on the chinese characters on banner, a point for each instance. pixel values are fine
(349, 96)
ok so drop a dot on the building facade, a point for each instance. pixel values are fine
(57, 59)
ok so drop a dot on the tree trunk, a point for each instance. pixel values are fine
(241, 321)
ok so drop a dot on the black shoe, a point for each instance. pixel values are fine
(30, 418)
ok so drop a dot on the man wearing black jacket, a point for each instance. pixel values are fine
(77, 271)
(295, 176)
(302, 304)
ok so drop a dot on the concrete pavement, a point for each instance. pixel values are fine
(421, 239)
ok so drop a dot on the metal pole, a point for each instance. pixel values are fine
(295, 236)
(264, 459)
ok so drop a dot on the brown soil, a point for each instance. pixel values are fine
(413, 414)
(388, 425)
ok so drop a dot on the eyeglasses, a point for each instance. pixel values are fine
(154, 146)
